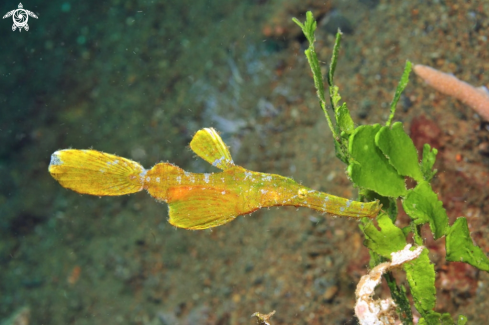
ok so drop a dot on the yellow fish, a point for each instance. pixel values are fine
(196, 201)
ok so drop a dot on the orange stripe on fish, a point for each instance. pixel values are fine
(197, 201)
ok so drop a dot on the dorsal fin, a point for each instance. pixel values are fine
(208, 145)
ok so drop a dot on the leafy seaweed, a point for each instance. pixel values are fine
(379, 158)
(420, 274)
(369, 167)
(398, 147)
(389, 205)
(422, 205)
(429, 157)
(400, 297)
(308, 27)
(385, 241)
(444, 319)
(344, 120)
(460, 247)
(400, 88)
(334, 58)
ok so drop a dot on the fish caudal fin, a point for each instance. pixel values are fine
(96, 173)
(201, 208)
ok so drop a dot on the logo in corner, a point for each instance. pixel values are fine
(20, 17)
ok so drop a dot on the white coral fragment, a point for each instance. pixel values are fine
(380, 312)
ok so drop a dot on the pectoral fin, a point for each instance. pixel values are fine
(210, 147)
(201, 208)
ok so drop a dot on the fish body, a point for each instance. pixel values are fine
(196, 200)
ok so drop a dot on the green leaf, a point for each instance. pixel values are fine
(422, 205)
(339, 152)
(334, 59)
(431, 318)
(460, 247)
(335, 96)
(344, 120)
(399, 296)
(386, 241)
(298, 22)
(434, 318)
(375, 259)
(462, 320)
(389, 205)
(400, 88)
(391, 209)
(369, 168)
(316, 72)
(399, 150)
(420, 274)
(406, 230)
(415, 229)
(429, 158)
(308, 27)
(446, 319)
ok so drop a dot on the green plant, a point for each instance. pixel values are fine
(379, 159)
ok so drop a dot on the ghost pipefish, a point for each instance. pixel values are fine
(196, 201)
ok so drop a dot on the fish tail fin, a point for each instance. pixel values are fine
(96, 173)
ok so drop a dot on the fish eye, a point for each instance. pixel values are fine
(302, 193)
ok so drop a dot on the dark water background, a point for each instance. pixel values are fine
(139, 78)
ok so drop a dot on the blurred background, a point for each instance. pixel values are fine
(139, 78)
